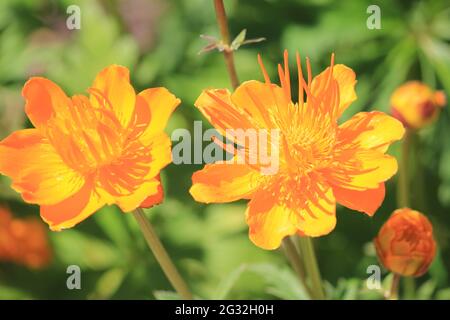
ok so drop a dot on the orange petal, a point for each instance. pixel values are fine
(161, 104)
(367, 201)
(72, 210)
(346, 80)
(371, 130)
(43, 99)
(133, 177)
(220, 183)
(217, 107)
(258, 100)
(268, 221)
(37, 171)
(112, 89)
(145, 196)
(156, 198)
(318, 218)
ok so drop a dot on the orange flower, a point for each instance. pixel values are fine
(86, 152)
(405, 243)
(320, 162)
(416, 105)
(23, 241)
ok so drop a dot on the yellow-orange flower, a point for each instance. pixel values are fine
(23, 241)
(88, 151)
(405, 243)
(321, 162)
(416, 105)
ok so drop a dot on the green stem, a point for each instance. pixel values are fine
(403, 180)
(161, 255)
(403, 194)
(393, 293)
(292, 254)
(311, 266)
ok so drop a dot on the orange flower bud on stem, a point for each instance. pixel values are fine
(405, 243)
(416, 105)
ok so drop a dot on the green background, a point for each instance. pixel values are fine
(159, 41)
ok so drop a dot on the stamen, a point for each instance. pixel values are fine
(300, 78)
(287, 74)
(263, 69)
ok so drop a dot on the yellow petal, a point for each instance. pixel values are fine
(37, 171)
(161, 104)
(44, 99)
(112, 90)
(220, 183)
(371, 130)
(74, 209)
(268, 221)
(145, 190)
(318, 218)
(346, 80)
(217, 107)
(258, 100)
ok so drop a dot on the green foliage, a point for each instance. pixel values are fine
(210, 244)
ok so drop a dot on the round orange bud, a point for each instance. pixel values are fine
(416, 105)
(405, 243)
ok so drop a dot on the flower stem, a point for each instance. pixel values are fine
(312, 268)
(161, 255)
(403, 180)
(403, 193)
(294, 258)
(227, 52)
(393, 293)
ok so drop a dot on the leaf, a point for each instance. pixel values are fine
(226, 285)
(113, 225)
(74, 247)
(425, 291)
(282, 282)
(240, 38)
(10, 293)
(166, 295)
(108, 284)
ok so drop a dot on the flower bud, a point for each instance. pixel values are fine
(405, 243)
(416, 105)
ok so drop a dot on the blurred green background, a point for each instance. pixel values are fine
(159, 41)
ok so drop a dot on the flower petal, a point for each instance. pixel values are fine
(37, 171)
(112, 89)
(44, 99)
(133, 177)
(371, 130)
(148, 191)
(258, 100)
(346, 80)
(221, 183)
(367, 201)
(217, 107)
(318, 218)
(156, 198)
(74, 209)
(268, 221)
(161, 104)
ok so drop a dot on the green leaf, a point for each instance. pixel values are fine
(226, 285)
(240, 38)
(74, 247)
(282, 282)
(425, 291)
(166, 295)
